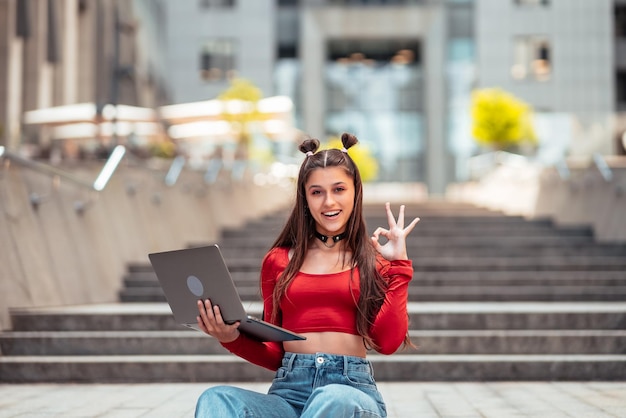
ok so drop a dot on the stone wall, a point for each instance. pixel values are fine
(577, 194)
(54, 254)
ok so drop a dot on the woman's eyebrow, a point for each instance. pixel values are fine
(339, 183)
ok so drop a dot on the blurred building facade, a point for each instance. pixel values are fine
(62, 52)
(397, 73)
(619, 26)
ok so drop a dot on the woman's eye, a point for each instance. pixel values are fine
(339, 189)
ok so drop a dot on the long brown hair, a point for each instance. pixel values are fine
(300, 227)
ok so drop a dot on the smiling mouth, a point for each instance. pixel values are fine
(331, 214)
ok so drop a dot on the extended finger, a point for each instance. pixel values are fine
(409, 228)
(401, 217)
(390, 219)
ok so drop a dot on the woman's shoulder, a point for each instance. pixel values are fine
(276, 258)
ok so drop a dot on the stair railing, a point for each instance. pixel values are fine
(603, 167)
(57, 174)
(482, 164)
(176, 167)
(562, 169)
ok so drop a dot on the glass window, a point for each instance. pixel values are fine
(217, 59)
(209, 4)
(620, 20)
(620, 87)
(532, 2)
(532, 58)
(374, 2)
(374, 89)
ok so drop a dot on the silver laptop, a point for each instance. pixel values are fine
(190, 274)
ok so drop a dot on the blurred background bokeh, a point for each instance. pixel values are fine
(190, 113)
(400, 74)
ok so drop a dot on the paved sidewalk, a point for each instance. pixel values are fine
(404, 400)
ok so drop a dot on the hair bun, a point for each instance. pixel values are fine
(348, 140)
(309, 145)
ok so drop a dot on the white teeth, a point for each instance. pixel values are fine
(331, 213)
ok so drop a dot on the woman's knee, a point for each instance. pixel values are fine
(231, 401)
(218, 398)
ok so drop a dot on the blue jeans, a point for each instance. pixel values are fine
(307, 385)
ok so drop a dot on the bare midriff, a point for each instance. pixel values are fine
(338, 343)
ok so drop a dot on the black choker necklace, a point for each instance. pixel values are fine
(334, 238)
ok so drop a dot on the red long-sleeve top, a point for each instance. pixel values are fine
(327, 302)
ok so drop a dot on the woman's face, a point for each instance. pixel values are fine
(330, 196)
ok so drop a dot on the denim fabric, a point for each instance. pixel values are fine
(306, 386)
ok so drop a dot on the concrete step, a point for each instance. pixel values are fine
(263, 243)
(450, 263)
(155, 294)
(493, 298)
(576, 263)
(422, 316)
(464, 263)
(439, 293)
(229, 368)
(517, 293)
(447, 278)
(81, 343)
(441, 231)
(546, 278)
(442, 211)
(232, 253)
(427, 218)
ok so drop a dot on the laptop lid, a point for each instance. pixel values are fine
(190, 274)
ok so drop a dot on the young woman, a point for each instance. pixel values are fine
(326, 279)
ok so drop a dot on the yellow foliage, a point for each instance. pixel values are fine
(501, 120)
(163, 149)
(242, 89)
(248, 94)
(362, 157)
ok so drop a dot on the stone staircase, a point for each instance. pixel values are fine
(493, 298)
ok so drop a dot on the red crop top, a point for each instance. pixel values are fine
(327, 302)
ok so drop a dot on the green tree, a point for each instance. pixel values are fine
(500, 120)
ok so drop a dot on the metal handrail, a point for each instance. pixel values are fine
(499, 157)
(486, 162)
(172, 173)
(98, 185)
(175, 169)
(563, 169)
(603, 167)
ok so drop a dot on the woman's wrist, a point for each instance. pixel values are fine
(230, 340)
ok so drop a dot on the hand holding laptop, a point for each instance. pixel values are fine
(211, 322)
(190, 275)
